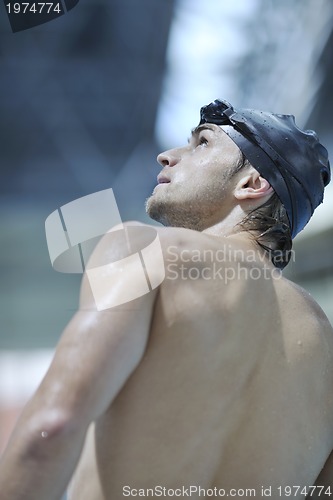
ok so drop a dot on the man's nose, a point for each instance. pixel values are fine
(169, 158)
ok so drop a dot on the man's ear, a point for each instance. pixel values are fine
(252, 186)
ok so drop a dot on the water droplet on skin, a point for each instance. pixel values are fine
(44, 434)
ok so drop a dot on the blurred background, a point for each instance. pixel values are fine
(87, 102)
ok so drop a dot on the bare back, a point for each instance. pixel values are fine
(234, 391)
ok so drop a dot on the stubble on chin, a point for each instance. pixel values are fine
(155, 210)
(191, 209)
(174, 215)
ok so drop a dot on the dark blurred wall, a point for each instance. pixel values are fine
(78, 95)
(78, 102)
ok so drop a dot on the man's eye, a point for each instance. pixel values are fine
(203, 140)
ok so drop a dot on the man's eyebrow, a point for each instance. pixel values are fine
(205, 126)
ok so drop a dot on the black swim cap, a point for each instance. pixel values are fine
(292, 160)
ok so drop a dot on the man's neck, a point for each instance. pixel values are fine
(229, 225)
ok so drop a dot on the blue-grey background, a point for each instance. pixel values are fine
(78, 104)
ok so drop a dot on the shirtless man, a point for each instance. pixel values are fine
(218, 382)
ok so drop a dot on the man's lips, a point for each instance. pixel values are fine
(162, 179)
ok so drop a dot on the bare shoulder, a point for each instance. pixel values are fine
(122, 241)
(196, 246)
(130, 256)
(132, 236)
(303, 305)
(307, 330)
(308, 342)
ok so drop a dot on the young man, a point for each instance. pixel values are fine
(218, 382)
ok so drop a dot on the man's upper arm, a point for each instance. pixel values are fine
(99, 349)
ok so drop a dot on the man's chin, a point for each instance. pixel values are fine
(174, 214)
(154, 210)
